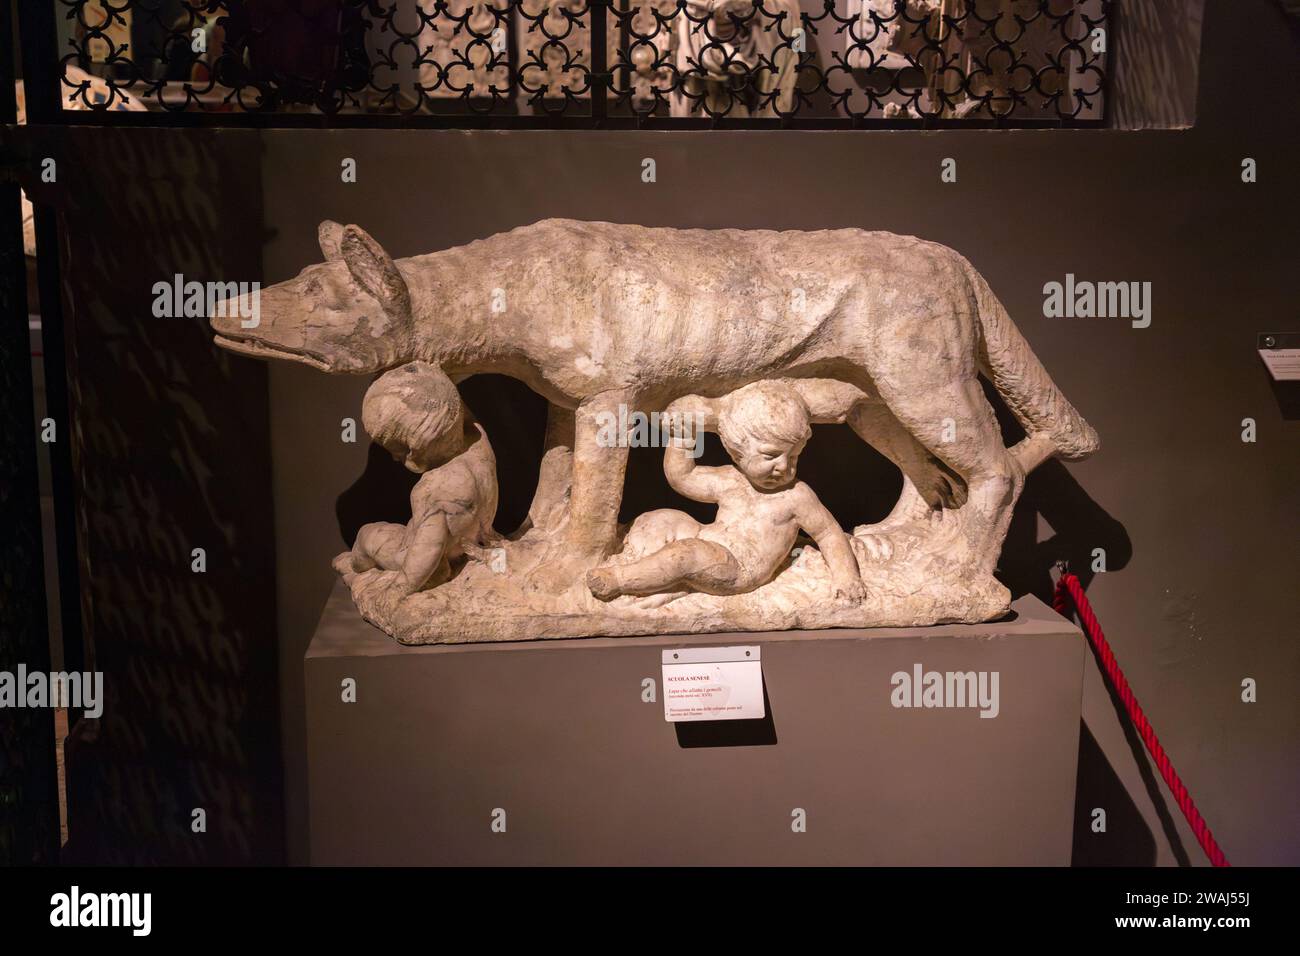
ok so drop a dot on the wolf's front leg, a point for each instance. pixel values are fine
(599, 466)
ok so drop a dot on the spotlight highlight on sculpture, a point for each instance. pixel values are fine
(754, 334)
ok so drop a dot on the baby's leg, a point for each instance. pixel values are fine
(651, 531)
(378, 545)
(691, 562)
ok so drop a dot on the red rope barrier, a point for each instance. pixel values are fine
(1069, 589)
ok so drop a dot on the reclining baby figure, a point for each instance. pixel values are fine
(761, 506)
(416, 414)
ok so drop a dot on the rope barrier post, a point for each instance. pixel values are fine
(1070, 591)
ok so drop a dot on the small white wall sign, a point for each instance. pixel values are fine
(1281, 354)
(1283, 364)
(713, 683)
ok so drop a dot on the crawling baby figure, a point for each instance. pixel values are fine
(761, 507)
(416, 414)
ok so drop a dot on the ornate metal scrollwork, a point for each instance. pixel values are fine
(845, 62)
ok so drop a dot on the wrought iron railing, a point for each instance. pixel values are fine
(666, 63)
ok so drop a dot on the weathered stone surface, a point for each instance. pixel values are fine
(885, 333)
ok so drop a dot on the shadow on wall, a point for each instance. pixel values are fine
(1126, 840)
(1080, 525)
(190, 719)
(1156, 69)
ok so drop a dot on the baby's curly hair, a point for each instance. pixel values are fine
(763, 411)
(414, 404)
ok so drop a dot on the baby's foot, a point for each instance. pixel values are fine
(343, 564)
(603, 583)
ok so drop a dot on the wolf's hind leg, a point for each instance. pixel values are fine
(953, 421)
(555, 476)
(590, 532)
(931, 479)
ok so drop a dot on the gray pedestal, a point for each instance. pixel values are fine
(556, 735)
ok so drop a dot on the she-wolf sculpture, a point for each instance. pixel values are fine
(887, 333)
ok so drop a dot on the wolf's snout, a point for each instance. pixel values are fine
(226, 321)
(351, 313)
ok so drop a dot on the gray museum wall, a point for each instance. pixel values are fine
(1199, 527)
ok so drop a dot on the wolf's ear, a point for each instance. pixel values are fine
(374, 271)
(330, 237)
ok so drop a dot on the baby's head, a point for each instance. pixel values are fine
(415, 413)
(764, 427)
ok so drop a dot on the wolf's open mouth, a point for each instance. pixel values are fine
(259, 350)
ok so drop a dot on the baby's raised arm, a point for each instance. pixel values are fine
(699, 484)
(705, 484)
(821, 526)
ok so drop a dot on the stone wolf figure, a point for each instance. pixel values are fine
(594, 315)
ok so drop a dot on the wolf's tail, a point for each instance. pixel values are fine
(1025, 385)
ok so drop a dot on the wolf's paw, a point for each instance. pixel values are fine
(941, 488)
(877, 546)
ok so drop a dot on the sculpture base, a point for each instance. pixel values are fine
(929, 577)
(555, 742)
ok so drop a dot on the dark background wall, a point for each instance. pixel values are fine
(170, 451)
(1199, 528)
